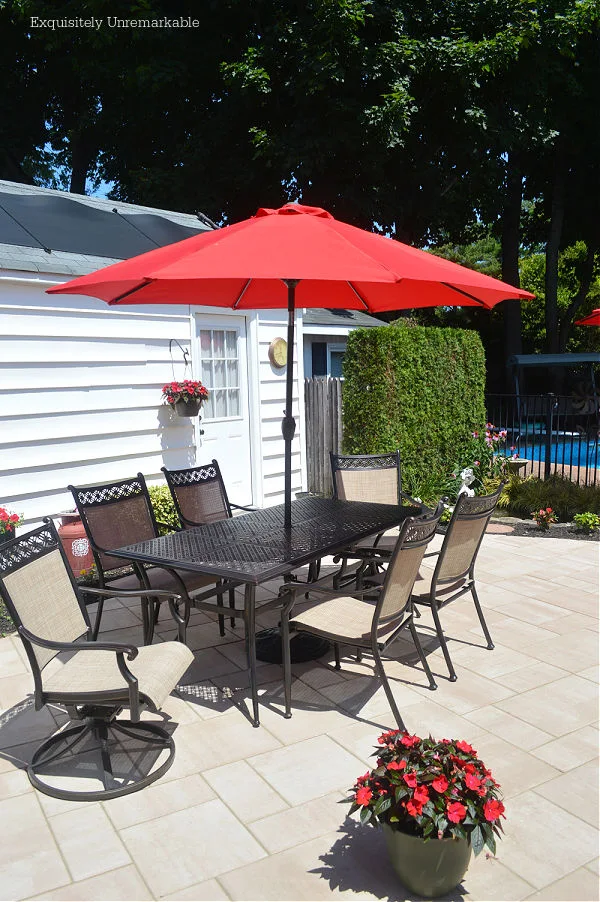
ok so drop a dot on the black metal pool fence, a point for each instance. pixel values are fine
(555, 433)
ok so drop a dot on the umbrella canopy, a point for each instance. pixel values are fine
(592, 319)
(292, 256)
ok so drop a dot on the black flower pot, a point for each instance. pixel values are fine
(7, 536)
(187, 407)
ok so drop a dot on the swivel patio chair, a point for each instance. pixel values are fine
(120, 513)
(454, 573)
(93, 681)
(352, 620)
(200, 497)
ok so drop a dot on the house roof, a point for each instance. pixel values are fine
(316, 316)
(52, 231)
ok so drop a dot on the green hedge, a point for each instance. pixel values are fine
(416, 388)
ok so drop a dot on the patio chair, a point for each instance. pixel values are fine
(454, 572)
(352, 620)
(93, 681)
(200, 497)
(374, 478)
(120, 513)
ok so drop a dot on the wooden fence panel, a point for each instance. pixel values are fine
(323, 406)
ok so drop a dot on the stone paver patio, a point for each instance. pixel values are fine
(250, 814)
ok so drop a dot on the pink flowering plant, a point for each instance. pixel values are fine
(431, 789)
(188, 390)
(486, 454)
(9, 521)
(544, 517)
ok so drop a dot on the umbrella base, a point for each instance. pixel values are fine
(303, 647)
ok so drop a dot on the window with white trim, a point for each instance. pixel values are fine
(221, 373)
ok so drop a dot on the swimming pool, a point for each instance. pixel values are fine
(571, 450)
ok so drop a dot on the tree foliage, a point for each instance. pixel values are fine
(424, 121)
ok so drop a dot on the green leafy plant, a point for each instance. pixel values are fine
(164, 509)
(587, 522)
(566, 498)
(431, 789)
(544, 517)
(88, 576)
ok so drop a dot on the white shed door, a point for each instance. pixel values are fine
(221, 342)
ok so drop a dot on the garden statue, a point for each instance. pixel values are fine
(467, 476)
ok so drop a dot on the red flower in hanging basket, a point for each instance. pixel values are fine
(9, 521)
(188, 390)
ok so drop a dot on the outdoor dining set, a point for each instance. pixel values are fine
(377, 535)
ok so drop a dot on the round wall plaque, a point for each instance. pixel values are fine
(278, 352)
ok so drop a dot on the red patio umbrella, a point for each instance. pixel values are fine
(592, 319)
(293, 256)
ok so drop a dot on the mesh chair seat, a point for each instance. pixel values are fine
(162, 579)
(157, 669)
(344, 618)
(424, 581)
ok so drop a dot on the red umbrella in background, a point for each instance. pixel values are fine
(592, 319)
(293, 256)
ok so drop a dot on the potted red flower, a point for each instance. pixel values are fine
(185, 397)
(8, 524)
(436, 801)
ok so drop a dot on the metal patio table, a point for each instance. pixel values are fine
(255, 547)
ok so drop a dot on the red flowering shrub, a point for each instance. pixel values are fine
(431, 789)
(8, 521)
(188, 390)
(544, 517)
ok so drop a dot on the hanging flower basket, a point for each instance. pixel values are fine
(186, 397)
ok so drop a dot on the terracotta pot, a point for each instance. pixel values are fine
(431, 868)
(187, 408)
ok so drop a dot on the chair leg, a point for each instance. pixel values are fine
(387, 688)
(442, 640)
(358, 655)
(421, 653)
(96, 627)
(232, 605)
(286, 658)
(221, 618)
(484, 626)
(336, 652)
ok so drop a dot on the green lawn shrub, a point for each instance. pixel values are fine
(416, 388)
(566, 498)
(164, 509)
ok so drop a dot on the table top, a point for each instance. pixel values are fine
(255, 547)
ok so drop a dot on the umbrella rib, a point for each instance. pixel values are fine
(363, 302)
(241, 295)
(131, 291)
(465, 294)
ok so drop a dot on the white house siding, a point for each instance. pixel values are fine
(272, 324)
(80, 393)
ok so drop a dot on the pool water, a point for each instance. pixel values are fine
(569, 450)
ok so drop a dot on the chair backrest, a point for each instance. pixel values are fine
(115, 514)
(199, 494)
(415, 535)
(40, 593)
(367, 477)
(464, 535)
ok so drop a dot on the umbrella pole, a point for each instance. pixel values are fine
(288, 424)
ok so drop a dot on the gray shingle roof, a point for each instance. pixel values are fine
(353, 318)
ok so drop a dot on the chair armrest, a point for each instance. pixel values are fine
(120, 650)
(130, 650)
(307, 589)
(243, 507)
(129, 593)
